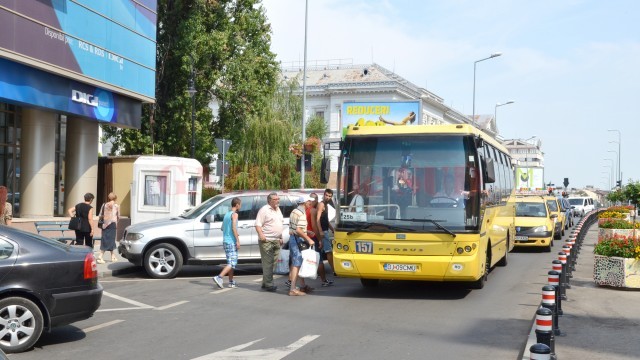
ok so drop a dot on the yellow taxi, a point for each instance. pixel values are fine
(555, 207)
(535, 224)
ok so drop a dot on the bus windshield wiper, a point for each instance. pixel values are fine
(372, 224)
(434, 222)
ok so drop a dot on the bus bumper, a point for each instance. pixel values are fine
(422, 268)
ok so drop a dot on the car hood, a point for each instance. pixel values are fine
(531, 221)
(154, 224)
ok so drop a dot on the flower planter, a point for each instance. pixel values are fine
(603, 233)
(616, 272)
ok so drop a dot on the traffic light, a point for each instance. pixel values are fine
(566, 182)
(619, 183)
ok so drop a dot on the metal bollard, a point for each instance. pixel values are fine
(563, 259)
(556, 265)
(554, 280)
(539, 352)
(567, 252)
(544, 328)
(549, 302)
(570, 256)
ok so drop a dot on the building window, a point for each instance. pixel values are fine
(320, 114)
(193, 190)
(155, 190)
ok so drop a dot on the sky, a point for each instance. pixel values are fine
(571, 67)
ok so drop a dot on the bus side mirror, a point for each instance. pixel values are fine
(325, 170)
(489, 171)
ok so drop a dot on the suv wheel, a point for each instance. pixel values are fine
(20, 325)
(163, 261)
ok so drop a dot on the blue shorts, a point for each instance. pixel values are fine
(327, 246)
(232, 254)
(294, 252)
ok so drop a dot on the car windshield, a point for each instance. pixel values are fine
(410, 182)
(575, 201)
(531, 209)
(553, 205)
(197, 211)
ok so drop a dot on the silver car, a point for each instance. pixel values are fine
(195, 237)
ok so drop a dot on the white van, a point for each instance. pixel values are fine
(581, 205)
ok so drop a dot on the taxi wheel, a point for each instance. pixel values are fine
(548, 248)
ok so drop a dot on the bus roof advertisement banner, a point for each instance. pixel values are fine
(380, 113)
(110, 44)
(530, 178)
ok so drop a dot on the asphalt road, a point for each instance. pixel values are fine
(189, 318)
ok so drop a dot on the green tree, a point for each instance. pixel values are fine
(227, 42)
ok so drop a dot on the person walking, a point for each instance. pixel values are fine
(298, 234)
(110, 212)
(230, 242)
(6, 209)
(84, 211)
(269, 226)
(322, 214)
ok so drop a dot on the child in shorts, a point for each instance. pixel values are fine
(231, 243)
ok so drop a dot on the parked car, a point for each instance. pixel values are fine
(163, 246)
(582, 205)
(43, 284)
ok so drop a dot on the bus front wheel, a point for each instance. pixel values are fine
(370, 283)
(479, 284)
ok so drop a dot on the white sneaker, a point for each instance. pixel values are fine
(218, 281)
(232, 284)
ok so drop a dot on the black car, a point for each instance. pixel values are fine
(43, 284)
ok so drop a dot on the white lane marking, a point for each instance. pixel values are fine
(124, 299)
(257, 280)
(268, 354)
(129, 308)
(171, 305)
(98, 327)
(221, 291)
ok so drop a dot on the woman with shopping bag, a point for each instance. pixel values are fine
(298, 241)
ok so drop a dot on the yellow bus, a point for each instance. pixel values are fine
(423, 202)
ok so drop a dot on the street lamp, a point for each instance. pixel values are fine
(495, 110)
(192, 92)
(473, 116)
(615, 176)
(619, 153)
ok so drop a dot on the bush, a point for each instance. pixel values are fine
(621, 209)
(611, 215)
(208, 193)
(616, 224)
(619, 246)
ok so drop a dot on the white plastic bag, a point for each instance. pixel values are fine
(282, 264)
(310, 260)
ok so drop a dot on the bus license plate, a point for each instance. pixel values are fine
(364, 247)
(401, 267)
(522, 238)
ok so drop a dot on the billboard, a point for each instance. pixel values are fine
(108, 44)
(382, 113)
(530, 178)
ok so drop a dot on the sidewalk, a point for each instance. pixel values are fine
(107, 269)
(598, 322)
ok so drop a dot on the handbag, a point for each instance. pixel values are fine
(101, 218)
(309, 267)
(302, 245)
(282, 264)
(74, 223)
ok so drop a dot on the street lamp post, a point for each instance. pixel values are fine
(304, 94)
(615, 173)
(619, 154)
(473, 116)
(495, 110)
(192, 92)
(611, 176)
(608, 177)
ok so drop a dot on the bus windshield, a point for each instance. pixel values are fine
(412, 182)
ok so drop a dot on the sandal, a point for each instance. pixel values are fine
(114, 259)
(306, 289)
(296, 293)
(100, 261)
